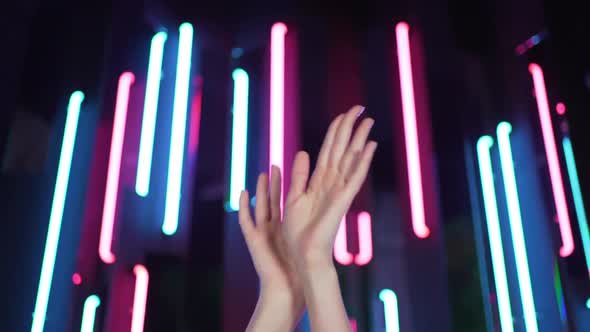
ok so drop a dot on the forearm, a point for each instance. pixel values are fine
(276, 311)
(324, 299)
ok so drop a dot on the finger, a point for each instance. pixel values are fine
(299, 175)
(342, 138)
(261, 211)
(245, 220)
(356, 146)
(359, 173)
(275, 193)
(324, 155)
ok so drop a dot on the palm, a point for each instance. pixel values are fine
(313, 211)
(265, 238)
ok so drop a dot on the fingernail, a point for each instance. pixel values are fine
(361, 111)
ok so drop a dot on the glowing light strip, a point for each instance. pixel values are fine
(173, 188)
(239, 145)
(277, 96)
(114, 169)
(390, 307)
(522, 265)
(89, 313)
(341, 253)
(559, 292)
(578, 199)
(411, 131)
(150, 109)
(563, 218)
(365, 239)
(494, 234)
(139, 298)
(57, 210)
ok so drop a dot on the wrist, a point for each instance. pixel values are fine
(282, 296)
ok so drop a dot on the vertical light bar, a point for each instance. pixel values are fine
(559, 292)
(173, 188)
(150, 109)
(239, 145)
(341, 253)
(486, 174)
(411, 131)
(109, 209)
(522, 265)
(353, 325)
(563, 218)
(139, 298)
(57, 210)
(365, 238)
(277, 97)
(578, 199)
(89, 313)
(389, 299)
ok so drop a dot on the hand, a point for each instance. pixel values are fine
(280, 287)
(313, 213)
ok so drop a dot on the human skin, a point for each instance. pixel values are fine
(293, 258)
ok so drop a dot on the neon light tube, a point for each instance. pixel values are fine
(109, 209)
(57, 210)
(559, 292)
(494, 234)
(578, 199)
(150, 109)
(563, 218)
(239, 145)
(511, 191)
(139, 298)
(411, 131)
(353, 324)
(277, 97)
(173, 188)
(365, 239)
(341, 253)
(89, 313)
(390, 307)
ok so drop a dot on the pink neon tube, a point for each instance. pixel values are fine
(411, 131)
(139, 298)
(563, 218)
(112, 187)
(277, 96)
(365, 239)
(341, 253)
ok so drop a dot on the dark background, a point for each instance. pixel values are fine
(474, 75)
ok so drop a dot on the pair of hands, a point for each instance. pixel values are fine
(286, 253)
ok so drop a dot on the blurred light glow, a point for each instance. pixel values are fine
(277, 97)
(76, 279)
(494, 233)
(391, 313)
(365, 238)
(139, 298)
(109, 209)
(578, 199)
(411, 131)
(239, 145)
(560, 108)
(518, 240)
(177, 139)
(150, 109)
(341, 253)
(89, 313)
(563, 218)
(57, 210)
